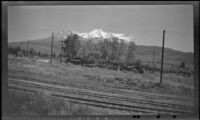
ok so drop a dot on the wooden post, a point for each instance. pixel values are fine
(161, 70)
(153, 61)
(61, 49)
(153, 57)
(27, 47)
(52, 46)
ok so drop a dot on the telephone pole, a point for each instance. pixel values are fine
(153, 60)
(52, 46)
(153, 57)
(61, 50)
(161, 70)
(27, 47)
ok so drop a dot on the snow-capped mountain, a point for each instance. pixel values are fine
(96, 33)
(99, 33)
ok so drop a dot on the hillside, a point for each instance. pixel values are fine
(145, 53)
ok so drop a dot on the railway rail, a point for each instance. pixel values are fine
(97, 99)
(115, 89)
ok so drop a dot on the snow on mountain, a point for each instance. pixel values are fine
(96, 33)
(99, 33)
(84, 35)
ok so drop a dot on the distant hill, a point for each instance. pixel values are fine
(171, 57)
(42, 45)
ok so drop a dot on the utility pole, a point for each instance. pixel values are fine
(153, 60)
(61, 49)
(161, 70)
(153, 57)
(52, 46)
(27, 47)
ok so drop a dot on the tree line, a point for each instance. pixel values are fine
(109, 50)
(102, 51)
(19, 52)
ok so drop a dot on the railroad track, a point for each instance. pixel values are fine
(115, 89)
(112, 102)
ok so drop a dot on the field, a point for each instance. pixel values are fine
(97, 91)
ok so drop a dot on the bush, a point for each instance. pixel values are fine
(138, 62)
(91, 59)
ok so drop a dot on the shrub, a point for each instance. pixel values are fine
(138, 62)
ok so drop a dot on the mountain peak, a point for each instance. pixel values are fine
(98, 33)
(95, 33)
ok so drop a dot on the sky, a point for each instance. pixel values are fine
(145, 23)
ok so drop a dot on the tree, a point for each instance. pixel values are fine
(118, 47)
(121, 49)
(71, 46)
(12, 50)
(88, 48)
(35, 52)
(114, 45)
(130, 57)
(39, 54)
(18, 50)
(54, 55)
(24, 51)
(31, 51)
(105, 49)
(45, 55)
(182, 65)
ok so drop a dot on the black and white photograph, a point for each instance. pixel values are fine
(100, 60)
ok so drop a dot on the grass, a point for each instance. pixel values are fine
(23, 103)
(100, 77)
